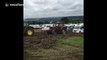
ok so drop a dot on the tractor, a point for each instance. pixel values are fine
(57, 28)
(28, 30)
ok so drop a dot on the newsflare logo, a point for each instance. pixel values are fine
(6, 4)
(13, 5)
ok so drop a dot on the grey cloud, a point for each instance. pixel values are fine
(49, 8)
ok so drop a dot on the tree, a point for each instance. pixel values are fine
(65, 20)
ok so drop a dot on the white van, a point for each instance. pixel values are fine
(78, 29)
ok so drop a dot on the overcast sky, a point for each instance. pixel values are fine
(52, 8)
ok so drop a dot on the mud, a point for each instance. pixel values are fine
(46, 41)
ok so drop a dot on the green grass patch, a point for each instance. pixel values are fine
(72, 41)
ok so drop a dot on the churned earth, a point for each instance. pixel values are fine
(43, 46)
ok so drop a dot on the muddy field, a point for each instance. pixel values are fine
(45, 41)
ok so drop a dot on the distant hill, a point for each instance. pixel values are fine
(55, 19)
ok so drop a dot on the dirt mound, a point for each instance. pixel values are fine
(40, 40)
(44, 40)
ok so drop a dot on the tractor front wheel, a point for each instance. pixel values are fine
(29, 32)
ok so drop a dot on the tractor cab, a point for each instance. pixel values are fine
(58, 27)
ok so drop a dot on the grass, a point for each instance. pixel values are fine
(66, 49)
(72, 41)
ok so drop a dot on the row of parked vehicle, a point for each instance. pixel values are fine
(54, 28)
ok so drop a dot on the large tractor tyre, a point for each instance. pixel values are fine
(49, 32)
(54, 32)
(59, 31)
(29, 32)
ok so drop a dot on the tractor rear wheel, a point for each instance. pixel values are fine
(49, 32)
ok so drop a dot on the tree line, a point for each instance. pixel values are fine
(64, 19)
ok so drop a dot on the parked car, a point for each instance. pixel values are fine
(45, 28)
(35, 26)
(78, 29)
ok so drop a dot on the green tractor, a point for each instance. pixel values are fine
(28, 30)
